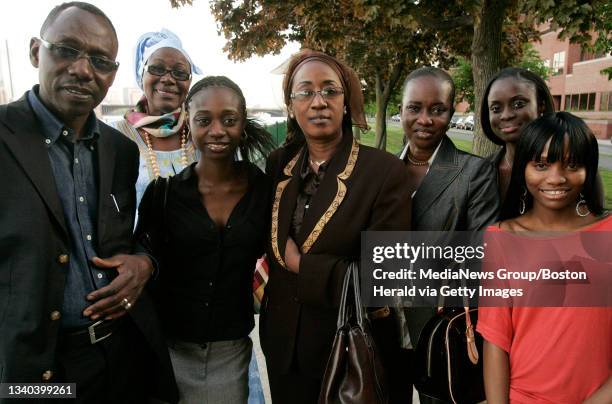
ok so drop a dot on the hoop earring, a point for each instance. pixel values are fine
(238, 155)
(580, 205)
(245, 135)
(523, 203)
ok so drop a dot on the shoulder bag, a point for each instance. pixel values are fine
(448, 364)
(354, 372)
(151, 226)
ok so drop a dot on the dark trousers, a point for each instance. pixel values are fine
(293, 387)
(430, 400)
(400, 379)
(397, 362)
(112, 371)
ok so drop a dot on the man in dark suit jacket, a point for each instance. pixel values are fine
(67, 200)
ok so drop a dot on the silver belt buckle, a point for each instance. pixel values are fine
(92, 333)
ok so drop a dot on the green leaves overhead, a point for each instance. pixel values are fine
(385, 39)
(381, 39)
(577, 19)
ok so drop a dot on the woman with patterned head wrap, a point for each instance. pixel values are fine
(163, 70)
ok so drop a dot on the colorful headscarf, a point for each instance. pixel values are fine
(156, 125)
(350, 82)
(150, 42)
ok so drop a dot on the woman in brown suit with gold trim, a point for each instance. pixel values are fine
(328, 189)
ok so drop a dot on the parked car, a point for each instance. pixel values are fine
(466, 123)
(459, 122)
(454, 120)
(395, 118)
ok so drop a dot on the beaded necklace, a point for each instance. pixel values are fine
(414, 161)
(153, 158)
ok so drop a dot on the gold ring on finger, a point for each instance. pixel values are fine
(125, 303)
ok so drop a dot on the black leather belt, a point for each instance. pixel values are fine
(96, 332)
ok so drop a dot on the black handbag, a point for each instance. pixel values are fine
(354, 372)
(151, 231)
(448, 364)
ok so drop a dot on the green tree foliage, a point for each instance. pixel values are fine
(384, 39)
(603, 44)
(464, 80)
(380, 39)
(531, 61)
(500, 27)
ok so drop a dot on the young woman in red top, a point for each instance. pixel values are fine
(550, 354)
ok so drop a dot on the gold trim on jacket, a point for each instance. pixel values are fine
(277, 197)
(329, 212)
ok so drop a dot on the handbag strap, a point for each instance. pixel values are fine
(471, 348)
(441, 298)
(354, 268)
(342, 310)
(160, 201)
(350, 284)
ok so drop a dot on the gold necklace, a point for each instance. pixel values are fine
(414, 161)
(153, 158)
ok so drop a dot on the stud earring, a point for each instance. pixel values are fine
(345, 110)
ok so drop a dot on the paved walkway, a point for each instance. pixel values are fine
(261, 361)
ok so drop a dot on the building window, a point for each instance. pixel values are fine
(591, 102)
(582, 105)
(574, 106)
(580, 102)
(605, 104)
(558, 63)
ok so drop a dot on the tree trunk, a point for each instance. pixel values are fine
(383, 95)
(486, 61)
(381, 115)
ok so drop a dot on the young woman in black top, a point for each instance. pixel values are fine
(214, 225)
(513, 98)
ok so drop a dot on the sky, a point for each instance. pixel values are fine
(193, 24)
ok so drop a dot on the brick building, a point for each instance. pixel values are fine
(576, 82)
